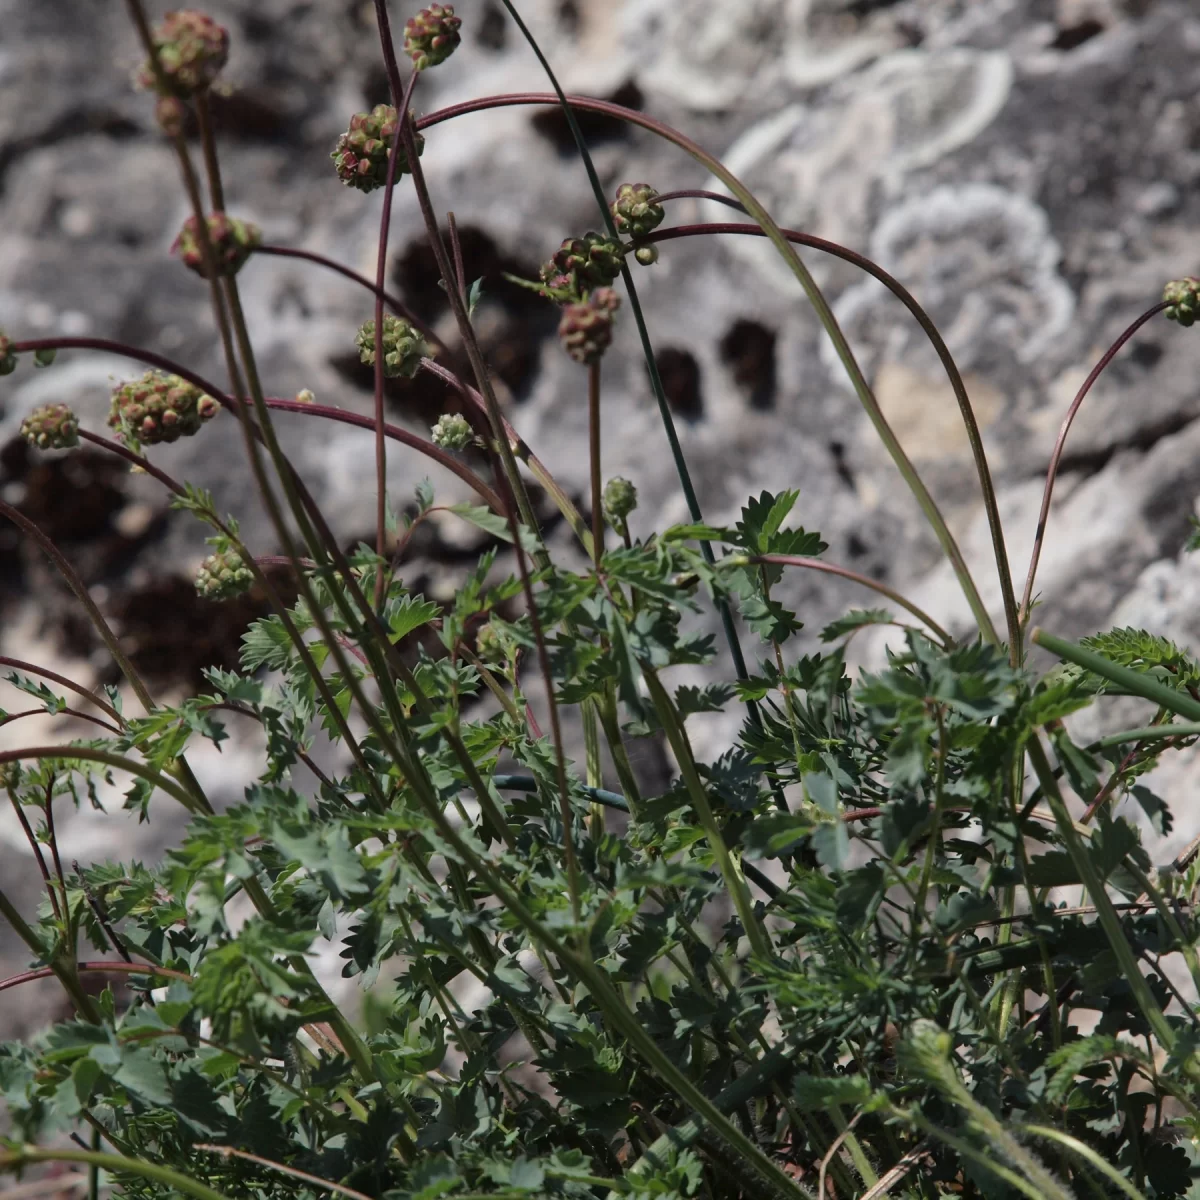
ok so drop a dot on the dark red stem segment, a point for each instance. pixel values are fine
(817, 564)
(96, 968)
(393, 302)
(396, 433)
(1060, 444)
(62, 681)
(385, 225)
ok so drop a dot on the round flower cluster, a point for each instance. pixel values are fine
(51, 427)
(361, 153)
(403, 347)
(585, 330)
(192, 49)
(619, 500)
(432, 36)
(159, 408)
(222, 576)
(635, 210)
(581, 264)
(232, 242)
(1183, 299)
(452, 432)
(8, 360)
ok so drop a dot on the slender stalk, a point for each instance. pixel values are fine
(1105, 911)
(817, 564)
(385, 225)
(63, 681)
(521, 449)
(816, 298)
(324, 1184)
(110, 759)
(460, 272)
(757, 935)
(1060, 444)
(76, 584)
(150, 357)
(22, 1156)
(208, 144)
(957, 385)
(63, 712)
(38, 856)
(97, 968)
(392, 301)
(397, 434)
(594, 455)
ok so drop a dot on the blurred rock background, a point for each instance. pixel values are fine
(1029, 168)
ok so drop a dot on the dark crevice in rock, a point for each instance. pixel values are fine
(493, 27)
(1091, 462)
(171, 634)
(595, 127)
(1070, 36)
(416, 273)
(680, 374)
(748, 348)
(1145, 354)
(855, 546)
(420, 400)
(513, 322)
(864, 8)
(568, 17)
(252, 114)
(376, 88)
(838, 452)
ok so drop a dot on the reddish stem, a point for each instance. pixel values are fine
(62, 681)
(40, 858)
(440, 456)
(96, 968)
(385, 224)
(817, 564)
(137, 460)
(150, 358)
(65, 711)
(393, 302)
(1060, 445)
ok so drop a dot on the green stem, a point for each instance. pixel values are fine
(816, 298)
(92, 754)
(64, 974)
(760, 941)
(594, 456)
(1105, 911)
(1087, 1154)
(1134, 682)
(24, 1155)
(817, 564)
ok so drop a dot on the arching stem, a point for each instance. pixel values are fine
(1060, 444)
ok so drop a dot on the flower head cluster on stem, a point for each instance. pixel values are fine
(361, 153)
(159, 407)
(191, 49)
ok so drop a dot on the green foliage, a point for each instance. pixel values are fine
(824, 948)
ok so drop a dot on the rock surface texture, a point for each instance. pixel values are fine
(1030, 169)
